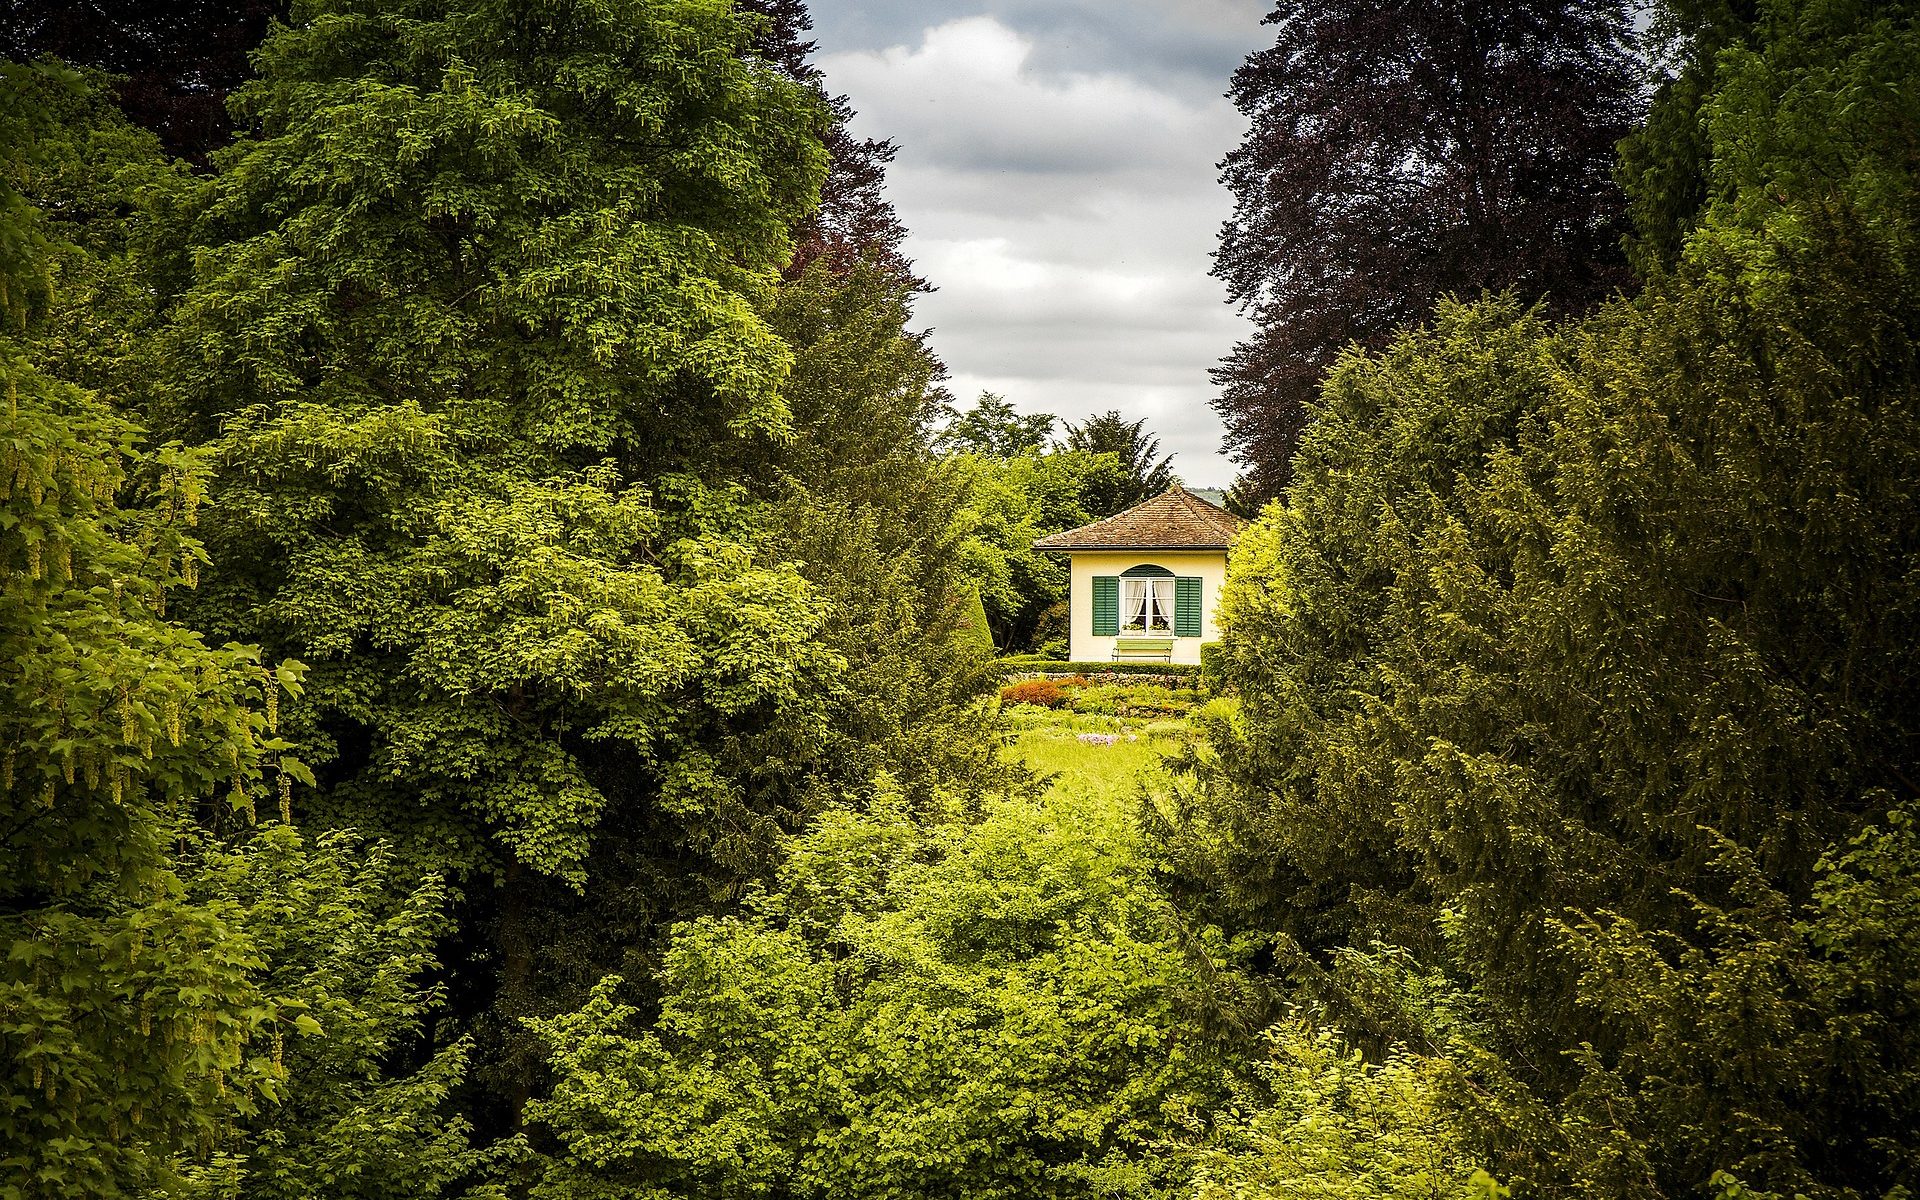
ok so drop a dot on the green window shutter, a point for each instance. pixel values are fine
(1186, 607)
(1106, 605)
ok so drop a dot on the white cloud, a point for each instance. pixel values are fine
(1067, 217)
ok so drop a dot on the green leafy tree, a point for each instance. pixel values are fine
(1324, 1121)
(444, 394)
(990, 1009)
(858, 502)
(991, 429)
(128, 1012)
(132, 1019)
(869, 515)
(473, 314)
(1011, 502)
(1664, 164)
(333, 935)
(1148, 473)
(189, 1004)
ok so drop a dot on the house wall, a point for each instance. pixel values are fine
(1209, 565)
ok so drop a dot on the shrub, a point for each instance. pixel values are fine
(1021, 664)
(1043, 692)
(1134, 700)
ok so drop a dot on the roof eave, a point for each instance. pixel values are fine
(1083, 548)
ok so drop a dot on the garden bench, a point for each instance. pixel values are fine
(1158, 649)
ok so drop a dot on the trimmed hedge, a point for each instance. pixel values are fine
(1024, 667)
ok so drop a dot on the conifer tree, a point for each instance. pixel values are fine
(1554, 673)
(1147, 471)
(855, 223)
(861, 504)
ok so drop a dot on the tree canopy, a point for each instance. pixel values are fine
(992, 428)
(1553, 672)
(1399, 152)
(1148, 472)
(497, 611)
(983, 1008)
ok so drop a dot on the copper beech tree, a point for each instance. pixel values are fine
(1400, 150)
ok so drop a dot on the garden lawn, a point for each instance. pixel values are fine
(1070, 746)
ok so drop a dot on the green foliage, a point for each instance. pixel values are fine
(25, 123)
(991, 429)
(461, 325)
(179, 993)
(874, 522)
(1135, 700)
(1011, 503)
(1575, 683)
(866, 514)
(1325, 1122)
(1017, 663)
(577, 506)
(1018, 492)
(979, 632)
(991, 1009)
(131, 1019)
(334, 938)
(1770, 100)
(1147, 472)
(1553, 670)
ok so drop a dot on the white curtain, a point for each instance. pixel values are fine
(1148, 606)
(1138, 594)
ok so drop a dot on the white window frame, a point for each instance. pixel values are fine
(1151, 595)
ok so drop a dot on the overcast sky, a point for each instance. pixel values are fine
(1058, 173)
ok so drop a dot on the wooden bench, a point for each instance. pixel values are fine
(1143, 649)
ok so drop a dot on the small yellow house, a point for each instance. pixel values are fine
(1145, 582)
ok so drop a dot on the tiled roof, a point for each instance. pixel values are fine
(1176, 519)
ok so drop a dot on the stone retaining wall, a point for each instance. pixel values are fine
(1118, 678)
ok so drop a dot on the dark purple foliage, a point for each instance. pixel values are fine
(1401, 150)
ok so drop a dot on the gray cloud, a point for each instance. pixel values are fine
(1185, 45)
(1057, 169)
